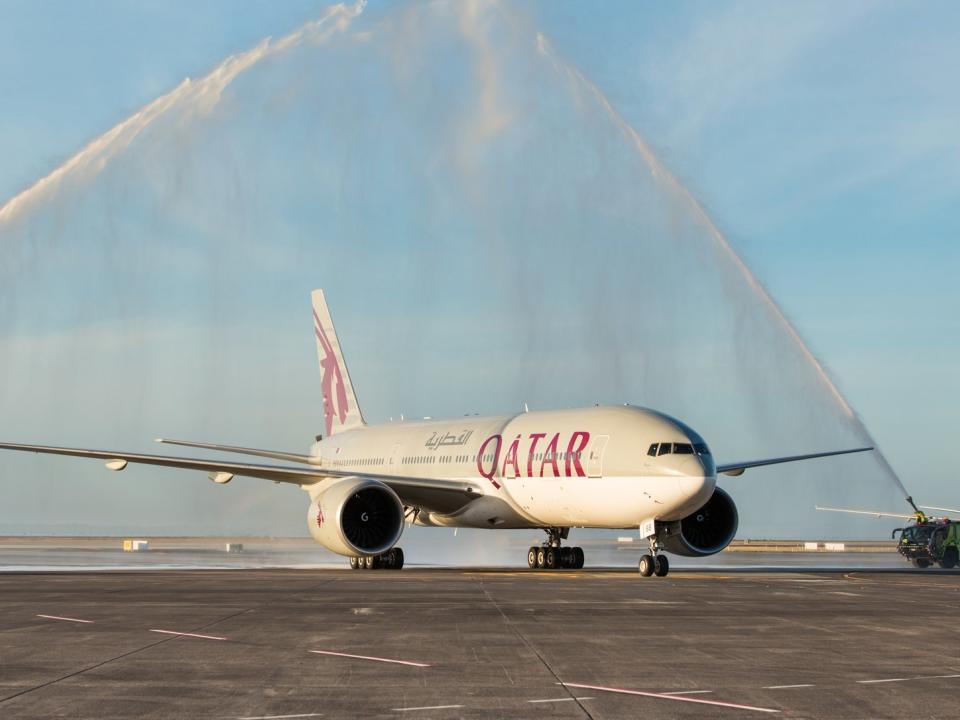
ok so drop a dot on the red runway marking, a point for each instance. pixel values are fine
(186, 634)
(678, 698)
(368, 657)
(68, 619)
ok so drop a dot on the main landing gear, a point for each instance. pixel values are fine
(653, 563)
(392, 559)
(550, 556)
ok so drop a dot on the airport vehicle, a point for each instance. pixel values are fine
(599, 467)
(928, 540)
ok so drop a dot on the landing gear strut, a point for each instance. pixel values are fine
(392, 559)
(654, 563)
(551, 556)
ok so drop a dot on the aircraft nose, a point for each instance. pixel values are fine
(696, 482)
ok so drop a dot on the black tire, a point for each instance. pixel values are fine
(368, 563)
(397, 558)
(541, 558)
(550, 559)
(577, 558)
(532, 558)
(566, 557)
(661, 566)
(949, 559)
(646, 565)
(921, 563)
(354, 563)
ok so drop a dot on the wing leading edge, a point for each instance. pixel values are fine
(403, 486)
(735, 469)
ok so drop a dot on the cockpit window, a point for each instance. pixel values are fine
(665, 449)
(701, 449)
(653, 449)
(683, 448)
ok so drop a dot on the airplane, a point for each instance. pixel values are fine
(616, 467)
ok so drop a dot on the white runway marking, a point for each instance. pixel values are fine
(918, 677)
(428, 707)
(566, 699)
(369, 657)
(785, 687)
(68, 619)
(186, 634)
(689, 692)
(677, 698)
(280, 717)
(886, 680)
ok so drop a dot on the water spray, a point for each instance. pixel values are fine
(199, 96)
(669, 181)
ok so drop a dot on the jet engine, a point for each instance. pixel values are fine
(704, 532)
(356, 517)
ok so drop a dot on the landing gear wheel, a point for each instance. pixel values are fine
(354, 563)
(550, 559)
(565, 557)
(577, 554)
(532, 557)
(646, 566)
(367, 562)
(397, 558)
(921, 563)
(541, 558)
(661, 566)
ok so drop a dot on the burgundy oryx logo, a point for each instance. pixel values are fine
(330, 375)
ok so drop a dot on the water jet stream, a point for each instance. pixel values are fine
(193, 95)
(668, 181)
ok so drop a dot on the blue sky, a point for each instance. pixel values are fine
(821, 139)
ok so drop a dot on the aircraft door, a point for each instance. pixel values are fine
(595, 456)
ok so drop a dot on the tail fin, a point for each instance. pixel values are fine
(340, 408)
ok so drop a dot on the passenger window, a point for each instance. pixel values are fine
(665, 449)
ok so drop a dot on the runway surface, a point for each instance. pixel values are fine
(512, 643)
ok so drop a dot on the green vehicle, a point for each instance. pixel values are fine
(929, 541)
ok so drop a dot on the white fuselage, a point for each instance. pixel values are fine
(569, 468)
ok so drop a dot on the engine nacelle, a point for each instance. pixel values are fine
(355, 517)
(704, 532)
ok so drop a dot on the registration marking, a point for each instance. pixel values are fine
(677, 698)
(370, 657)
(67, 619)
(427, 707)
(186, 634)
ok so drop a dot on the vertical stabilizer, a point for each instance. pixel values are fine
(340, 409)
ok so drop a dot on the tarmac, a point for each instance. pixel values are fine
(726, 642)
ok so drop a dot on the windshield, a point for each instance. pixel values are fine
(916, 534)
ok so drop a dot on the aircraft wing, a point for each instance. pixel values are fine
(436, 495)
(735, 469)
(874, 513)
(940, 509)
(274, 454)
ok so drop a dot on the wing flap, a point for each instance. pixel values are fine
(273, 454)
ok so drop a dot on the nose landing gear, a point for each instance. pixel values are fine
(551, 556)
(653, 563)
